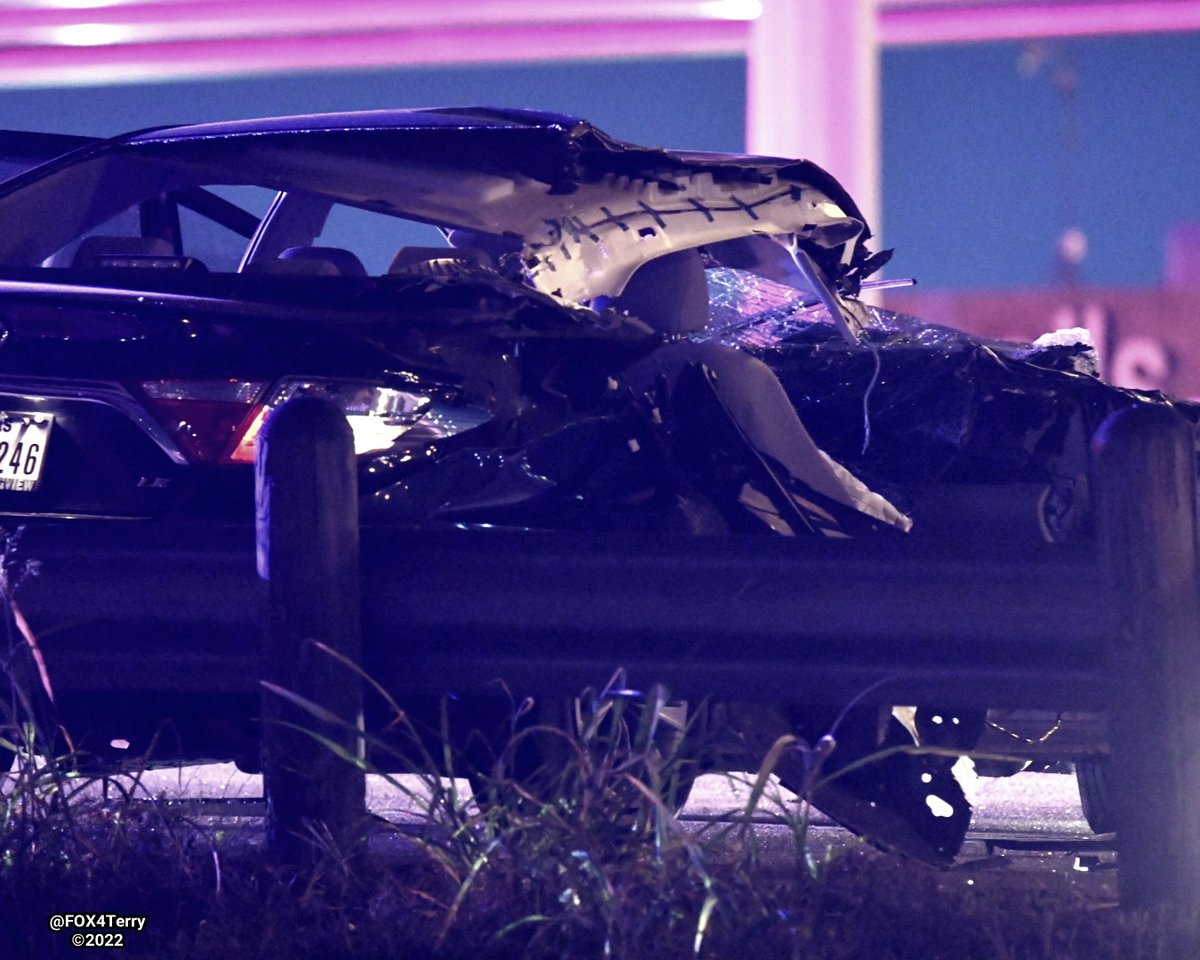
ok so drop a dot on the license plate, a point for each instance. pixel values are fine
(23, 438)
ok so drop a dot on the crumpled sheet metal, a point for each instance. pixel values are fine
(663, 457)
(920, 403)
(858, 767)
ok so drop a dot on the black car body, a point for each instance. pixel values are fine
(528, 323)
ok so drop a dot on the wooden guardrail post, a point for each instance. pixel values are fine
(1147, 517)
(308, 547)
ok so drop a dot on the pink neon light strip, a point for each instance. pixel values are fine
(910, 24)
(262, 36)
(178, 20)
(57, 66)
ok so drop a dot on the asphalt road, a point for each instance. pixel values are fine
(1030, 821)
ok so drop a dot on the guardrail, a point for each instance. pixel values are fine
(740, 618)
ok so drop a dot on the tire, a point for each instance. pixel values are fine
(1094, 776)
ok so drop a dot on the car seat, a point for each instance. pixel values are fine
(666, 294)
(669, 294)
(311, 261)
(439, 261)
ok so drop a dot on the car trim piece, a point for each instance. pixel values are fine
(58, 291)
(107, 394)
(588, 253)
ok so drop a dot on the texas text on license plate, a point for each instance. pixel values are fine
(23, 438)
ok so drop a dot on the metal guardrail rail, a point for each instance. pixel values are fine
(740, 618)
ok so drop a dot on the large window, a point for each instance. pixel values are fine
(216, 227)
(373, 237)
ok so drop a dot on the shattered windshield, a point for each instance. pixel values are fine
(746, 309)
(752, 312)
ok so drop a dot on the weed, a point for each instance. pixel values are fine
(569, 848)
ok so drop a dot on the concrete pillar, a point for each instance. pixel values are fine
(813, 91)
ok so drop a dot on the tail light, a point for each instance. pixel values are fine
(218, 421)
(378, 415)
(204, 417)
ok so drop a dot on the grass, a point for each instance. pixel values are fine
(583, 862)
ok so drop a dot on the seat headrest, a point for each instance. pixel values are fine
(311, 262)
(344, 262)
(669, 293)
(92, 251)
(495, 245)
(438, 261)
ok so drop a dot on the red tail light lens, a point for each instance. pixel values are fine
(204, 417)
(218, 421)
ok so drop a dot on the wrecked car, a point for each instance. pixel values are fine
(527, 323)
(198, 277)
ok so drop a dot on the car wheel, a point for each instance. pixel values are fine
(1094, 776)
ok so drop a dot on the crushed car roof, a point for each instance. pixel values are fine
(587, 208)
(584, 151)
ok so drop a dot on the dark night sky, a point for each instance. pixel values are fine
(974, 177)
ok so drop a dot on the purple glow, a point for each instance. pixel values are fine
(79, 65)
(176, 20)
(48, 42)
(904, 22)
